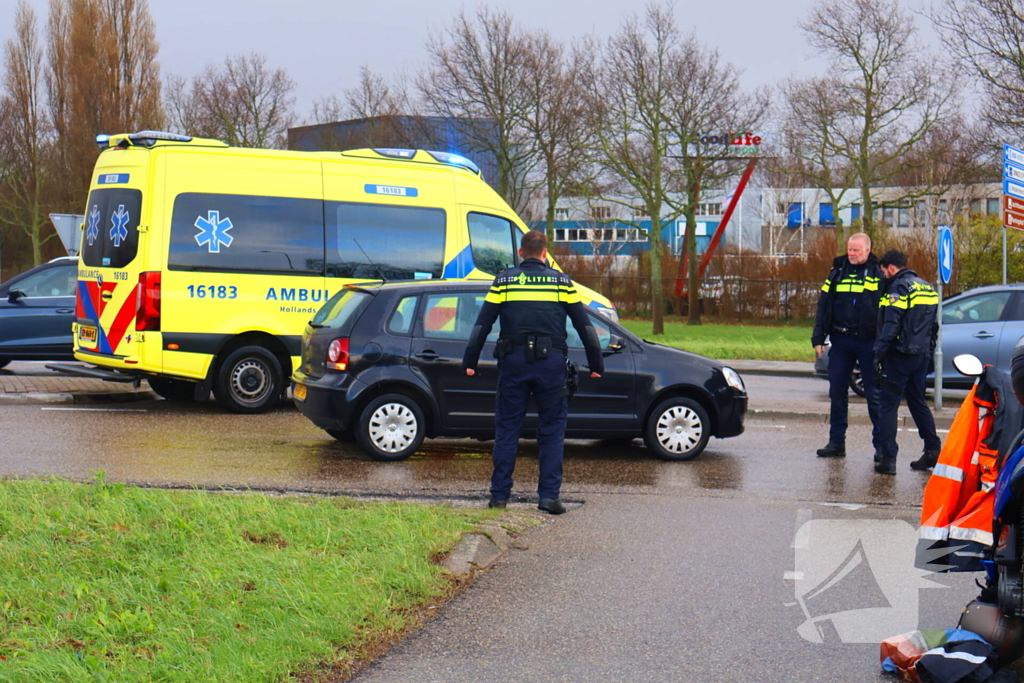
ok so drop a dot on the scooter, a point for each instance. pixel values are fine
(998, 613)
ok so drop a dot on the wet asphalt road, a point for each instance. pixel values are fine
(667, 571)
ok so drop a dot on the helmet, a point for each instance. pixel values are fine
(1005, 633)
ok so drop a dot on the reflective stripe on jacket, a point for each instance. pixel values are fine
(907, 316)
(848, 298)
(956, 513)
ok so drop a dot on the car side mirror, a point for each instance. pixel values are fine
(616, 344)
(14, 295)
(969, 365)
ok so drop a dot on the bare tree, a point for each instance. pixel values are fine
(658, 98)
(477, 76)
(988, 37)
(24, 171)
(556, 117)
(244, 103)
(102, 77)
(709, 99)
(888, 97)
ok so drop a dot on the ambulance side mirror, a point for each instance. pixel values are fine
(968, 365)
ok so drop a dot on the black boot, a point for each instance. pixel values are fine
(495, 503)
(551, 506)
(926, 461)
(832, 450)
(878, 455)
(886, 466)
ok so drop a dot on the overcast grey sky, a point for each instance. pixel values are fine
(322, 44)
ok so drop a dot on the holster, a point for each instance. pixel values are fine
(502, 348)
(572, 378)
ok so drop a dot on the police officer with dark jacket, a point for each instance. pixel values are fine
(903, 352)
(533, 301)
(848, 315)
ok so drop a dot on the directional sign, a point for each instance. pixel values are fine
(945, 254)
(1012, 155)
(1013, 188)
(1011, 172)
(1013, 212)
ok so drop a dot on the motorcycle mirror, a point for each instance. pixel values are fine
(967, 364)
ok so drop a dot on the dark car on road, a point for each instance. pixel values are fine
(382, 365)
(37, 308)
(985, 322)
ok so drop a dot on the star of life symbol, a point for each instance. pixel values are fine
(120, 222)
(93, 230)
(855, 579)
(213, 231)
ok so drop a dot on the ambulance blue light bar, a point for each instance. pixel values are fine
(395, 153)
(103, 140)
(455, 160)
(149, 137)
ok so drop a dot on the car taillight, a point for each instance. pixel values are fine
(337, 354)
(147, 315)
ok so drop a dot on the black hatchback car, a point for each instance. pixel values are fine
(381, 365)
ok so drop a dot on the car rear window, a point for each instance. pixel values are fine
(111, 238)
(342, 310)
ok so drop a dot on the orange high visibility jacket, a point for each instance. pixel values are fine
(956, 513)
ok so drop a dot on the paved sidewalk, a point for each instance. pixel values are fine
(39, 385)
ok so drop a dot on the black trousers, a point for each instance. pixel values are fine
(904, 377)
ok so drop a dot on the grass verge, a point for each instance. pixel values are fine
(108, 582)
(753, 342)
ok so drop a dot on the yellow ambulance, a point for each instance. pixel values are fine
(201, 263)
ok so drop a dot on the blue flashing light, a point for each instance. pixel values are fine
(149, 137)
(103, 140)
(395, 153)
(455, 160)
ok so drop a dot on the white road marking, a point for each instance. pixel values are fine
(792, 576)
(104, 410)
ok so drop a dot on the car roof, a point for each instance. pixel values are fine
(1014, 286)
(424, 285)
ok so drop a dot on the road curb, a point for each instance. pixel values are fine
(43, 398)
(941, 421)
(489, 540)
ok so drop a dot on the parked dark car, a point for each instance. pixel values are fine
(381, 365)
(985, 322)
(37, 309)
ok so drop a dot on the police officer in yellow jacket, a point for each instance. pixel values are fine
(533, 302)
(907, 331)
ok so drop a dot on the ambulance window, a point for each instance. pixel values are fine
(224, 232)
(494, 242)
(375, 241)
(111, 237)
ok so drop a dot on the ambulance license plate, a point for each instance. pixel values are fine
(87, 334)
(299, 392)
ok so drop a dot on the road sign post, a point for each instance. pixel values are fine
(945, 274)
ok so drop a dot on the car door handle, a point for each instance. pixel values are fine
(64, 311)
(427, 355)
(107, 296)
(983, 335)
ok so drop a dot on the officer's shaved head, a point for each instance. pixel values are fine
(533, 245)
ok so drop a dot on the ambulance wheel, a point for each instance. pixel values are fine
(678, 429)
(172, 389)
(250, 380)
(391, 427)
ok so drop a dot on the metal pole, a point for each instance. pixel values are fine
(1004, 254)
(938, 354)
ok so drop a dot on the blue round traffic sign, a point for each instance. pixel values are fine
(945, 254)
